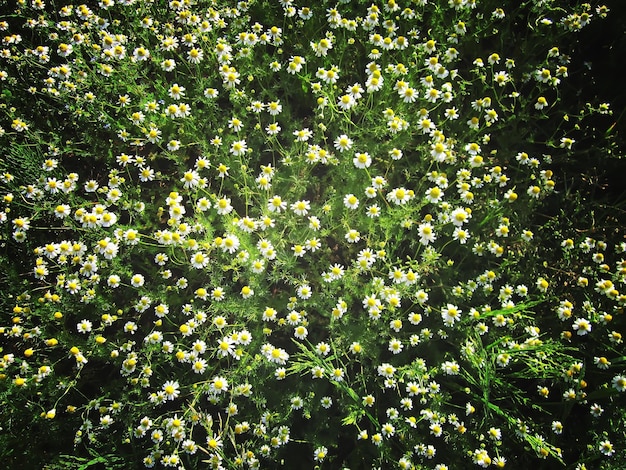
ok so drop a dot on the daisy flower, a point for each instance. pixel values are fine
(362, 160)
(84, 326)
(303, 135)
(427, 233)
(239, 148)
(434, 195)
(399, 196)
(343, 143)
(171, 389)
(276, 204)
(219, 385)
(351, 201)
(582, 326)
(301, 207)
(619, 383)
(450, 314)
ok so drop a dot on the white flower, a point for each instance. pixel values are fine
(450, 314)
(84, 326)
(395, 346)
(199, 260)
(439, 152)
(320, 453)
(362, 160)
(352, 236)
(304, 291)
(171, 389)
(606, 448)
(582, 326)
(239, 148)
(190, 179)
(301, 207)
(137, 280)
(619, 383)
(343, 143)
(276, 204)
(434, 195)
(346, 102)
(426, 233)
(461, 235)
(373, 211)
(351, 201)
(399, 196)
(106, 421)
(219, 385)
(303, 135)
(567, 143)
(230, 243)
(223, 206)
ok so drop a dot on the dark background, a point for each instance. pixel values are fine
(602, 56)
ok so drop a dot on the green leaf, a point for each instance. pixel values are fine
(95, 461)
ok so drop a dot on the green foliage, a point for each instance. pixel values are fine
(270, 235)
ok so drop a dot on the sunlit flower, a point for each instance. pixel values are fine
(399, 196)
(450, 314)
(351, 201)
(219, 385)
(295, 64)
(239, 148)
(171, 389)
(582, 326)
(223, 206)
(301, 207)
(343, 143)
(619, 383)
(426, 233)
(276, 204)
(84, 326)
(319, 454)
(362, 160)
(226, 347)
(304, 291)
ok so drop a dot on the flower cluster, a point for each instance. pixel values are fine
(237, 243)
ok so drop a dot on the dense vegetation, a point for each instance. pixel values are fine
(339, 235)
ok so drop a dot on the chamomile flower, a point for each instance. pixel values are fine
(606, 448)
(219, 385)
(373, 211)
(619, 383)
(352, 236)
(351, 201)
(450, 314)
(226, 346)
(171, 388)
(426, 233)
(295, 64)
(395, 346)
(276, 204)
(362, 160)
(301, 207)
(84, 326)
(320, 453)
(273, 129)
(582, 326)
(304, 291)
(346, 102)
(399, 196)
(343, 143)
(303, 135)
(300, 332)
(434, 195)
(239, 148)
